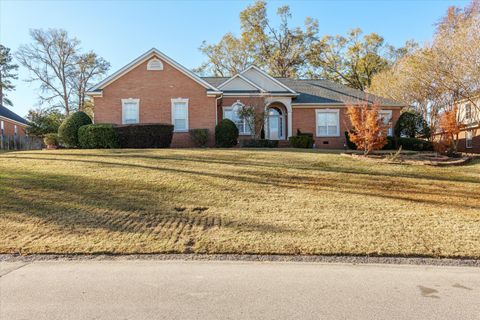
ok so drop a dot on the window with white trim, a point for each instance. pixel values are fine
(469, 139)
(130, 111)
(155, 64)
(468, 111)
(327, 123)
(15, 130)
(2, 126)
(231, 113)
(180, 115)
(386, 116)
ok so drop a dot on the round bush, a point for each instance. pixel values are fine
(199, 137)
(97, 136)
(68, 131)
(226, 134)
(51, 139)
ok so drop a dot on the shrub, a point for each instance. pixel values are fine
(199, 137)
(411, 124)
(226, 134)
(415, 144)
(97, 136)
(303, 141)
(350, 144)
(51, 139)
(144, 135)
(308, 134)
(68, 130)
(391, 145)
(259, 143)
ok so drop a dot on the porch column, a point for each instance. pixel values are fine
(289, 120)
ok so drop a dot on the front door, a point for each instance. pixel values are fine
(275, 124)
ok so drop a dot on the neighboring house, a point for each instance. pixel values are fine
(11, 124)
(155, 89)
(469, 116)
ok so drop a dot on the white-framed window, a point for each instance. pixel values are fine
(386, 116)
(469, 139)
(327, 122)
(15, 130)
(154, 64)
(231, 113)
(180, 114)
(468, 111)
(2, 126)
(130, 111)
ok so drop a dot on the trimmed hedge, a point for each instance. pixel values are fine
(199, 136)
(303, 141)
(68, 130)
(259, 143)
(144, 135)
(51, 139)
(226, 134)
(414, 144)
(97, 136)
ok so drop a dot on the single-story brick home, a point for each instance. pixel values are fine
(11, 124)
(156, 89)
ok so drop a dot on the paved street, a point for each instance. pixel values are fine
(143, 289)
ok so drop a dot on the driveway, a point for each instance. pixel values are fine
(142, 289)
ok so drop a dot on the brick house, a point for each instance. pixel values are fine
(11, 124)
(155, 89)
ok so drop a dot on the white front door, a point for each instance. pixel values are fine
(275, 125)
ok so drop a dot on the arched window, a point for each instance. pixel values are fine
(155, 64)
(231, 113)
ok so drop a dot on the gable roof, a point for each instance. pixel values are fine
(9, 114)
(322, 92)
(147, 55)
(249, 84)
(268, 78)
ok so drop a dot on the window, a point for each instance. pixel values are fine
(386, 116)
(130, 111)
(231, 113)
(2, 127)
(180, 115)
(15, 130)
(469, 139)
(468, 111)
(155, 64)
(328, 124)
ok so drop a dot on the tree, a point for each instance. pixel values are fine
(352, 60)
(368, 131)
(43, 121)
(281, 50)
(7, 74)
(254, 115)
(450, 128)
(64, 73)
(412, 124)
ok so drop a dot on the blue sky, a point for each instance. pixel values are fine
(119, 31)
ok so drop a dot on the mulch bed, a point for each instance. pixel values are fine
(420, 158)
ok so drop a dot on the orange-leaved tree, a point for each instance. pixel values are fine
(368, 130)
(450, 128)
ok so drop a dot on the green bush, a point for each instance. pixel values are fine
(391, 145)
(199, 137)
(303, 141)
(226, 134)
(350, 144)
(97, 136)
(411, 124)
(414, 144)
(68, 130)
(144, 135)
(51, 139)
(259, 143)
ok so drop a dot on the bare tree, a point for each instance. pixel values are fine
(54, 60)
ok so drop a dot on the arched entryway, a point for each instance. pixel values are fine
(276, 120)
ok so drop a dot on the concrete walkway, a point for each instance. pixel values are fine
(141, 289)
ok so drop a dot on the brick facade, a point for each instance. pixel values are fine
(462, 143)
(9, 127)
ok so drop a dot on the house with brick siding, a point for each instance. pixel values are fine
(156, 89)
(11, 124)
(469, 116)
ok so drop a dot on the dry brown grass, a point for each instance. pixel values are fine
(234, 201)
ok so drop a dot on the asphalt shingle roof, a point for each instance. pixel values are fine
(7, 113)
(321, 91)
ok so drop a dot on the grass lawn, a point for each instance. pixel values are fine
(234, 201)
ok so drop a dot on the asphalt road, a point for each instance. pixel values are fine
(235, 290)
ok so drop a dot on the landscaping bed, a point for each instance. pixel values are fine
(415, 158)
(240, 201)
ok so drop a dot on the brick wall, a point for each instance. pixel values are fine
(155, 89)
(9, 128)
(475, 142)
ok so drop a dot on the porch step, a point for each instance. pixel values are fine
(283, 144)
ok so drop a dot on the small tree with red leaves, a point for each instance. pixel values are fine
(450, 128)
(368, 131)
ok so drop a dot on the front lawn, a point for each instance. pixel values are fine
(234, 201)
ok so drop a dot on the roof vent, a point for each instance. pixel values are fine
(155, 64)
